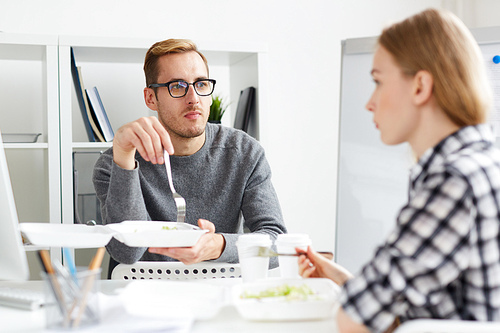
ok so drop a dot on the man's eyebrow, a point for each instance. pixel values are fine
(198, 78)
(373, 71)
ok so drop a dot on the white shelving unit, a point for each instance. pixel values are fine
(114, 65)
(38, 96)
(29, 91)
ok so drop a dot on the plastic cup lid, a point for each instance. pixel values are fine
(254, 239)
(293, 239)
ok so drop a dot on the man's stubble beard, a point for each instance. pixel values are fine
(183, 133)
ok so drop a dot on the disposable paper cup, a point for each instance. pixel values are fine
(286, 243)
(253, 268)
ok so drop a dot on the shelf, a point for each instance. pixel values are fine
(27, 39)
(92, 145)
(24, 47)
(39, 145)
(133, 50)
(31, 61)
(31, 248)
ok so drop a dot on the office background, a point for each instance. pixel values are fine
(303, 38)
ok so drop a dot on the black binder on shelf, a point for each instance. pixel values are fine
(99, 114)
(246, 106)
(82, 99)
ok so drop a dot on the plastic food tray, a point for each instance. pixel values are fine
(65, 235)
(131, 233)
(156, 234)
(314, 307)
(175, 299)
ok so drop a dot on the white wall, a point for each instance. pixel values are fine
(486, 14)
(303, 79)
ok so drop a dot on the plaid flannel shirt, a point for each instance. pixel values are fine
(443, 258)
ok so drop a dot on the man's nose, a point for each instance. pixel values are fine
(191, 96)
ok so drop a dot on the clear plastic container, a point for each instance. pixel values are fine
(72, 302)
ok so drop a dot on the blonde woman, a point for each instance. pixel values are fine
(442, 260)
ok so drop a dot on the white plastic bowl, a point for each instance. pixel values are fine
(315, 307)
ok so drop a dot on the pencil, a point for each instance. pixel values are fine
(52, 279)
(89, 282)
(97, 260)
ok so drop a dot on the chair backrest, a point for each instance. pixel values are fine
(144, 270)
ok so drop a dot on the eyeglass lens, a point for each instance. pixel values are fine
(180, 88)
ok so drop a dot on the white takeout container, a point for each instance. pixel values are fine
(318, 306)
(153, 234)
(65, 235)
(131, 233)
(175, 299)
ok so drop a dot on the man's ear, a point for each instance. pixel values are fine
(423, 87)
(150, 99)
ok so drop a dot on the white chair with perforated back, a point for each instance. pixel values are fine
(447, 326)
(150, 270)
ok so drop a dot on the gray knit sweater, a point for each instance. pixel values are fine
(227, 175)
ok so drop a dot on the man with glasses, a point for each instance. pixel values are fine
(219, 171)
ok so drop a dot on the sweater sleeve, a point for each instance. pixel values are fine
(119, 192)
(260, 208)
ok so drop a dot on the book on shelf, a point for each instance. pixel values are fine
(97, 110)
(96, 132)
(89, 121)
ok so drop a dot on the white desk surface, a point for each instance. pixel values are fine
(227, 320)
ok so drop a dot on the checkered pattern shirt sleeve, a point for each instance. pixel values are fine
(443, 258)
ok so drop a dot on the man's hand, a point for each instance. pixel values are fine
(209, 246)
(146, 135)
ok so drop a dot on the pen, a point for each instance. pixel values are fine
(89, 282)
(70, 262)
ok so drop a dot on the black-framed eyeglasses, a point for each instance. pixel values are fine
(179, 88)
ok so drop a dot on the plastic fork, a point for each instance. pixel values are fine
(179, 200)
(263, 251)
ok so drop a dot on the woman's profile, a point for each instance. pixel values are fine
(442, 259)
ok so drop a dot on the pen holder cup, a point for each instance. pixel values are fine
(72, 301)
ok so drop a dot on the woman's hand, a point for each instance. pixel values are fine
(313, 264)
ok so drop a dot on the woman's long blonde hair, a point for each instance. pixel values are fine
(438, 42)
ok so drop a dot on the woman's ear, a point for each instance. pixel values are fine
(423, 87)
(150, 99)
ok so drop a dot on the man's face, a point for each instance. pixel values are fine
(185, 117)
